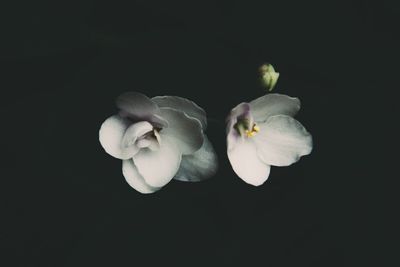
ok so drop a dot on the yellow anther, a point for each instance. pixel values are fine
(248, 133)
(243, 128)
(253, 131)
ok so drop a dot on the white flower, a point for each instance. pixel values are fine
(158, 139)
(263, 133)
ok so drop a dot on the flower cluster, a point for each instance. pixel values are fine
(162, 138)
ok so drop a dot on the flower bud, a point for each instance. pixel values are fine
(269, 77)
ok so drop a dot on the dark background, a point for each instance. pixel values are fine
(64, 201)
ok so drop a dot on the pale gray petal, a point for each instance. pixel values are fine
(200, 165)
(282, 140)
(186, 131)
(158, 121)
(274, 104)
(187, 106)
(136, 106)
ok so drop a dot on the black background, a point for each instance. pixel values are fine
(64, 201)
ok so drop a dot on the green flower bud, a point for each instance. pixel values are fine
(269, 77)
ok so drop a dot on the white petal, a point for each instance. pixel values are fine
(137, 106)
(200, 165)
(158, 167)
(143, 143)
(186, 131)
(135, 131)
(157, 121)
(241, 111)
(282, 140)
(274, 104)
(134, 179)
(187, 106)
(246, 164)
(111, 134)
(150, 142)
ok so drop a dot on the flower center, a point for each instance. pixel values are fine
(245, 128)
(254, 130)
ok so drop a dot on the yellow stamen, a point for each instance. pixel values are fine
(253, 131)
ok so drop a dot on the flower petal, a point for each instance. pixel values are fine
(200, 165)
(157, 121)
(274, 104)
(246, 164)
(134, 179)
(136, 105)
(187, 106)
(240, 111)
(282, 140)
(150, 143)
(186, 131)
(135, 131)
(111, 134)
(158, 167)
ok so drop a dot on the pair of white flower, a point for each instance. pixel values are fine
(162, 138)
